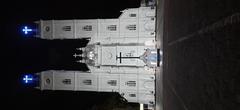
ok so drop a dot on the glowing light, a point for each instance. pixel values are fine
(153, 63)
(152, 57)
(27, 79)
(91, 55)
(26, 30)
(141, 107)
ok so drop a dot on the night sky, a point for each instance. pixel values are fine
(24, 54)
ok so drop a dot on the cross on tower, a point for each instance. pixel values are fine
(77, 55)
(26, 79)
(26, 30)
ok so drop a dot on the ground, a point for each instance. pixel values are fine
(201, 57)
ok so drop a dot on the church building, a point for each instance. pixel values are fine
(121, 55)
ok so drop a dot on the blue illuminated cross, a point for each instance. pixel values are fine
(26, 30)
(26, 79)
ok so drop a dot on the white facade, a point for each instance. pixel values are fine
(135, 25)
(134, 87)
(121, 55)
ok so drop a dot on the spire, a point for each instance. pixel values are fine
(80, 49)
(80, 61)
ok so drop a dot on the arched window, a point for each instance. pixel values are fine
(131, 27)
(87, 28)
(112, 27)
(66, 81)
(131, 83)
(67, 28)
(87, 82)
(112, 82)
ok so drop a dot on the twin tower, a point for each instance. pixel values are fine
(121, 55)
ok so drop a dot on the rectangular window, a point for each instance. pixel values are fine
(112, 82)
(87, 82)
(132, 15)
(87, 28)
(132, 95)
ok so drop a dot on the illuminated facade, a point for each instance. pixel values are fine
(121, 55)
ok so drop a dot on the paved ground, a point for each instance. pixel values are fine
(159, 70)
(201, 55)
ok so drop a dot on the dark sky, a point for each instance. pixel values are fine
(23, 54)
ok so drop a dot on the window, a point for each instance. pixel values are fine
(131, 83)
(47, 81)
(132, 95)
(67, 28)
(87, 28)
(112, 27)
(112, 82)
(87, 82)
(66, 81)
(47, 28)
(132, 15)
(131, 27)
